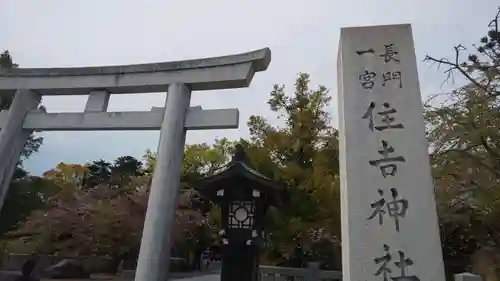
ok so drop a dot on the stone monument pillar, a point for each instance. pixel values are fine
(389, 221)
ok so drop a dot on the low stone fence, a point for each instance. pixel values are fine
(311, 273)
(467, 277)
(97, 264)
(92, 264)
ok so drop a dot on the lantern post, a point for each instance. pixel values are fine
(243, 195)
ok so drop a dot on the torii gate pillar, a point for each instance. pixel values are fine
(162, 202)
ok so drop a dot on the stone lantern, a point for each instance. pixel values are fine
(243, 196)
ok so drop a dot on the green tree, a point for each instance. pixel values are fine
(127, 166)
(463, 130)
(25, 196)
(99, 172)
(199, 160)
(303, 154)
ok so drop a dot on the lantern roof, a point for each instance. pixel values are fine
(238, 169)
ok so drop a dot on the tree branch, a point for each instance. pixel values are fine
(456, 66)
(488, 148)
(494, 22)
(476, 158)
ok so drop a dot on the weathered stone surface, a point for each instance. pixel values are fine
(68, 268)
(9, 275)
(384, 156)
(92, 264)
(153, 259)
(260, 60)
(196, 119)
(13, 137)
(466, 276)
(234, 71)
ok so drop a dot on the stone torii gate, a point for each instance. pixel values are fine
(177, 78)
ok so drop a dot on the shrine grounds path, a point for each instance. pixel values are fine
(207, 277)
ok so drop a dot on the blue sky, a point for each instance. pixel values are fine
(303, 37)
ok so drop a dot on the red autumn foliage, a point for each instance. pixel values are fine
(102, 220)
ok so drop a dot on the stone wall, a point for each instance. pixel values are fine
(92, 264)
